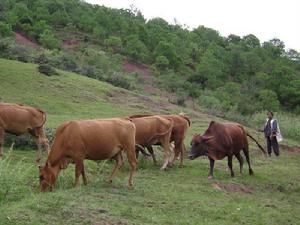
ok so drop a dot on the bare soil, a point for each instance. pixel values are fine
(23, 39)
(294, 149)
(242, 189)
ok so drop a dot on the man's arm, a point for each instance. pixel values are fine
(274, 127)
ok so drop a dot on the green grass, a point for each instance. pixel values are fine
(177, 196)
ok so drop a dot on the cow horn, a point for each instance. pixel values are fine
(206, 138)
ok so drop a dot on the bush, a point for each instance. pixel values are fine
(26, 141)
(119, 80)
(5, 29)
(20, 53)
(47, 70)
(48, 40)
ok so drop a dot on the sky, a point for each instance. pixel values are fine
(266, 19)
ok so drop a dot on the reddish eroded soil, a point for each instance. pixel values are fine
(294, 149)
(70, 42)
(232, 188)
(146, 77)
(23, 39)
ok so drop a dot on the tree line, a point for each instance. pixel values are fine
(230, 73)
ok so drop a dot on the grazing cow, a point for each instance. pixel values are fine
(221, 140)
(20, 119)
(180, 126)
(89, 139)
(153, 129)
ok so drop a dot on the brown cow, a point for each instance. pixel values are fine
(153, 129)
(89, 139)
(20, 119)
(221, 140)
(180, 126)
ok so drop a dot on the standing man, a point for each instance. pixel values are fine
(272, 134)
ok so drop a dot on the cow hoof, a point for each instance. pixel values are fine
(181, 166)
(210, 177)
(170, 165)
(163, 169)
(251, 172)
(109, 181)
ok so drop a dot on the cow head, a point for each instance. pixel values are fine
(199, 146)
(47, 177)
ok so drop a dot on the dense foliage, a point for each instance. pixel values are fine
(227, 73)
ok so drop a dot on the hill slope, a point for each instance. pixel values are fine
(178, 196)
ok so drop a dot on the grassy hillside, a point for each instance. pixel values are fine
(178, 196)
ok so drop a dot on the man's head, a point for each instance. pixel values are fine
(270, 114)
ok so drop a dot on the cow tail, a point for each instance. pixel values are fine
(186, 118)
(261, 148)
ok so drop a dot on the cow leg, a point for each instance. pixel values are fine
(246, 153)
(40, 133)
(83, 175)
(166, 146)
(39, 149)
(177, 151)
(151, 151)
(132, 162)
(241, 161)
(78, 170)
(1, 142)
(211, 168)
(230, 165)
(119, 164)
(182, 154)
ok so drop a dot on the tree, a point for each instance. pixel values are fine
(168, 50)
(136, 49)
(48, 40)
(250, 41)
(268, 100)
(113, 43)
(161, 62)
(5, 29)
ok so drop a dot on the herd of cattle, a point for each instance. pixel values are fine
(101, 139)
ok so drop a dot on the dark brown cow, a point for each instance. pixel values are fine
(221, 140)
(180, 126)
(89, 139)
(20, 119)
(153, 129)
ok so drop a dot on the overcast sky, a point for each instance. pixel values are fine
(265, 19)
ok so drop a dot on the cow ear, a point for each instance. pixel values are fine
(206, 138)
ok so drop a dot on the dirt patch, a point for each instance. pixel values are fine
(70, 43)
(146, 76)
(233, 188)
(23, 39)
(294, 149)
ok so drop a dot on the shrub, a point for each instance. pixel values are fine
(26, 141)
(5, 29)
(119, 81)
(48, 40)
(47, 69)
(19, 53)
